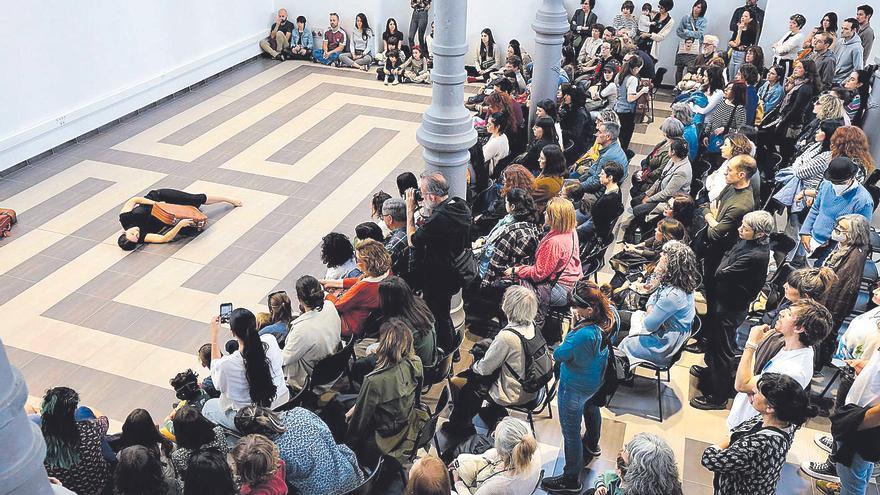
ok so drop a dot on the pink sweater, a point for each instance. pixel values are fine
(558, 251)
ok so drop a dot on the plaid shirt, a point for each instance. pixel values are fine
(396, 245)
(515, 245)
(420, 4)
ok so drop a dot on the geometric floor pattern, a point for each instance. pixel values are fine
(304, 147)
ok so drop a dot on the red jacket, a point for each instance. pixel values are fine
(558, 251)
(275, 486)
(355, 305)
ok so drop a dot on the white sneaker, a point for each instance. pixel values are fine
(387, 81)
(396, 82)
(825, 442)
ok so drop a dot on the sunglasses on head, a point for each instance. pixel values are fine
(275, 294)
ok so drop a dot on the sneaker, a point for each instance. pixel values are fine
(697, 370)
(396, 82)
(708, 403)
(562, 484)
(828, 487)
(821, 471)
(825, 442)
(695, 348)
(459, 431)
(387, 81)
(591, 451)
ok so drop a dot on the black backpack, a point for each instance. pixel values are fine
(538, 363)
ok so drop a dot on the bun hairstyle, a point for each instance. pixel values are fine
(310, 292)
(791, 403)
(586, 294)
(256, 364)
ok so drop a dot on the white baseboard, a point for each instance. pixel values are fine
(17, 148)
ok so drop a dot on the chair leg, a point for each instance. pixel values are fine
(532, 424)
(659, 397)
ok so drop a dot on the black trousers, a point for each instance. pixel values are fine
(627, 127)
(439, 301)
(176, 197)
(721, 352)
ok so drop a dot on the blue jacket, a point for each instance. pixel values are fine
(770, 95)
(692, 136)
(828, 207)
(751, 104)
(613, 153)
(306, 40)
(582, 359)
(692, 28)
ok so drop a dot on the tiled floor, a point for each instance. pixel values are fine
(304, 147)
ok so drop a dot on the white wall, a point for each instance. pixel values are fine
(72, 66)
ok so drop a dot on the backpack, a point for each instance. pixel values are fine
(538, 363)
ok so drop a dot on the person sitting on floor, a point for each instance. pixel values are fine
(302, 41)
(140, 471)
(142, 227)
(514, 463)
(193, 433)
(280, 316)
(278, 41)
(415, 69)
(335, 41)
(314, 334)
(314, 464)
(361, 296)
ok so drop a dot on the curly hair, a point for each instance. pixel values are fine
(651, 469)
(375, 258)
(852, 142)
(336, 249)
(517, 176)
(681, 267)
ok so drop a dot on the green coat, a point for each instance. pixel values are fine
(382, 411)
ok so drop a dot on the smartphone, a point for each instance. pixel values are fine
(225, 311)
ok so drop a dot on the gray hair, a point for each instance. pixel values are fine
(652, 469)
(395, 207)
(859, 230)
(762, 223)
(672, 128)
(683, 112)
(608, 116)
(520, 305)
(435, 183)
(681, 267)
(612, 128)
(515, 443)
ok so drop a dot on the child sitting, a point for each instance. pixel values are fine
(186, 388)
(205, 361)
(608, 483)
(415, 69)
(259, 466)
(391, 71)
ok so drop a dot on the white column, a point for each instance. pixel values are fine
(22, 449)
(447, 130)
(551, 24)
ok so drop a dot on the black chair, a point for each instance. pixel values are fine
(538, 405)
(370, 328)
(428, 433)
(595, 261)
(540, 480)
(658, 369)
(369, 484)
(437, 372)
(296, 399)
(332, 367)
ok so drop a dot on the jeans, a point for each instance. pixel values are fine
(320, 58)
(419, 22)
(736, 59)
(559, 295)
(571, 404)
(854, 478)
(212, 412)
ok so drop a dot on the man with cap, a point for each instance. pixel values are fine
(839, 194)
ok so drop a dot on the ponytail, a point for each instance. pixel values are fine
(256, 364)
(521, 457)
(515, 444)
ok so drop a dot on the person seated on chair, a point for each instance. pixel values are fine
(607, 134)
(429, 475)
(548, 184)
(250, 375)
(337, 254)
(496, 375)
(515, 463)
(361, 296)
(280, 316)
(674, 178)
(513, 176)
(597, 221)
(659, 332)
(638, 263)
(583, 357)
(335, 41)
(142, 227)
(786, 348)
(557, 261)
(544, 130)
(379, 420)
(279, 33)
(512, 241)
(393, 214)
(314, 463)
(193, 432)
(653, 164)
(738, 279)
(314, 334)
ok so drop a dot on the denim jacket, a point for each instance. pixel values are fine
(304, 39)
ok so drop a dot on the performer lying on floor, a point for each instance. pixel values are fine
(142, 226)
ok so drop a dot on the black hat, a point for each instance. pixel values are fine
(841, 169)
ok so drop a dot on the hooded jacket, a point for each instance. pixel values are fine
(849, 58)
(443, 237)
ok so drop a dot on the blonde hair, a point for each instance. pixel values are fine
(395, 343)
(263, 320)
(560, 215)
(256, 459)
(515, 444)
(832, 107)
(374, 256)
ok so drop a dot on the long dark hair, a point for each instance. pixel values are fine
(716, 79)
(139, 472)
(548, 128)
(191, 429)
(550, 108)
(388, 26)
(832, 22)
(243, 324)
(523, 205)
(397, 300)
(517, 50)
(140, 429)
(336, 249)
(208, 472)
(58, 425)
(634, 62)
(365, 26)
(811, 74)
(864, 76)
(489, 48)
(554, 160)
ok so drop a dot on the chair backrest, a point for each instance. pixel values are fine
(540, 479)
(371, 325)
(332, 367)
(439, 371)
(366, 488)
(696, 327)
(296, 400)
